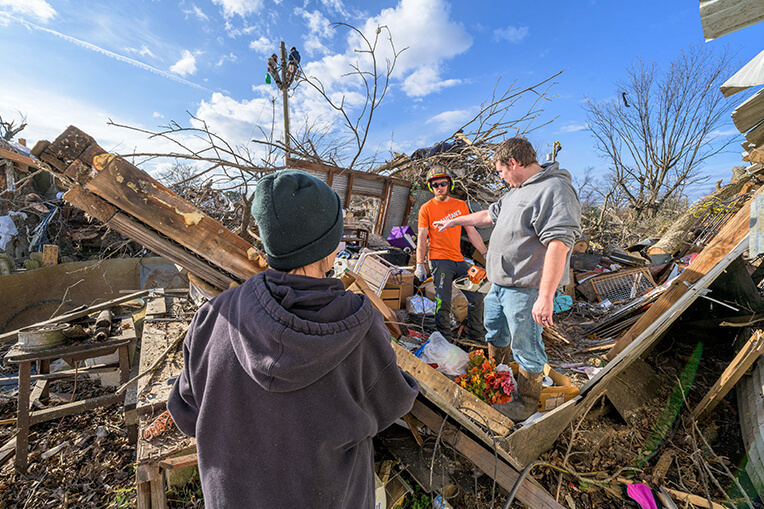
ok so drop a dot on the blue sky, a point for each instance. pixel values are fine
(144, 63)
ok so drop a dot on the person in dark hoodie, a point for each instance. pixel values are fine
(287, 377)
(535, 226)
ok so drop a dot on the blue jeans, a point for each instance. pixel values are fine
(509, 321)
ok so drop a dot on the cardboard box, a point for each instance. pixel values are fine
(459, 304)
(399, 287)
(552, 397)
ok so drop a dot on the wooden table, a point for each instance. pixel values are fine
(71, 352)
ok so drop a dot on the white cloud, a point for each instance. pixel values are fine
(450, 119)
(237, 121)
(231, 57)
(262, 46)
(157, 115)
(426, 80)
(336, 6)
(318, 30)
(425, 28)
(144, 51)
(572, 128)
(186, 65)
(511, 34)
(200, 14)
(39, 9)
(240, 7)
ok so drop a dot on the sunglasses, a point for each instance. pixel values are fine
(443, 183)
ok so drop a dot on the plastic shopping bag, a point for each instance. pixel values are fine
(451, 359)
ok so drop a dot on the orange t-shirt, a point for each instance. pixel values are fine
(443, 245)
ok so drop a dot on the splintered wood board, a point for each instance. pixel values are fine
(452, 398)
(138, 194)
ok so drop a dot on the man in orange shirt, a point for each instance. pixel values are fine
(446, 260)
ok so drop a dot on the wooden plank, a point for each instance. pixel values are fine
(41, 388)
(141, 196)
(18, 158)
(756, 135)
(179, 462)
(750, 112)
(695, 500)
(642, 342)
(755, 156)
(725, 241)
(77, 407)
(128, 227)
(24, 420)
(721, 17)
(453, 398)
(529, 494)
(75, 351)
(7, 451)
(391, 319)
(9, 337)
(157, 306)
(90, 203)
(67, 147)
(745, 358)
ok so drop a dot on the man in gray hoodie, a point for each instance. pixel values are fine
(535, 226)
(287, 377)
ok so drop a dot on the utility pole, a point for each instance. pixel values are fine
(284, 72)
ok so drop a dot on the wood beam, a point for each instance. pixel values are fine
(142, 197)
(751, 351)
(18, 158)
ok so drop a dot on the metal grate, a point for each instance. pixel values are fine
(712, 220)
(623, 285)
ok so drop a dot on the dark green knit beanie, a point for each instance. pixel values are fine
(299, 216)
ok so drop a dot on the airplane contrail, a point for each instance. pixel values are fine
(106, 52)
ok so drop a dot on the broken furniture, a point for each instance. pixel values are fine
(72, 352)
(355, 235)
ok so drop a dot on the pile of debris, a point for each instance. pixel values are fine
(646, 345)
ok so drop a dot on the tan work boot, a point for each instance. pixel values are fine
(526, 400)
(500, 355)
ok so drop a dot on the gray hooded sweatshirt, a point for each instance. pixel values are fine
(286, 379)
(544, 208)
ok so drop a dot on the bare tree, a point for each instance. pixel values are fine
(663, 125)
(8, 130)
(374, 81)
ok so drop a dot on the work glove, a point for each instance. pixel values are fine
(420, 272)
